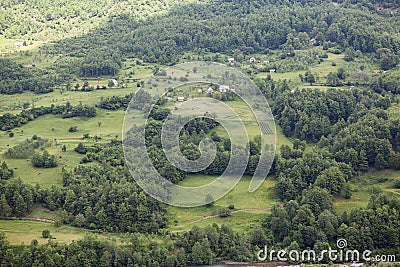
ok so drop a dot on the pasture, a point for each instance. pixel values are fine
(250, 207)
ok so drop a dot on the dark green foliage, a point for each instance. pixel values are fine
(44, 160)
(214, 243)
(104, 195)
(226, 26)
(5, 251)
(209, 200)
(14, 79)
(308, 114)
(16, 198)
(5, 172)
(297, 170)
(387, 82)
(309, 77)
(73, 129)
(116, 102)
(26, 149)
(46, 233)
(387, 59)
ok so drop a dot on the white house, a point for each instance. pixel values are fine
(210, 90)
(19, 44)
(266, 62)
(181, 99)
(115, 82)
(252, 60)
(224, 88)
(272, 70)
(231, 60)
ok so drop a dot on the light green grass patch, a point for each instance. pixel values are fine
(111, 127)
(40, 212)
(362, 187)
(13, 103)
(23, 232)
(258, 204)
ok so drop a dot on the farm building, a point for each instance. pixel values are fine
(181, 99)
(114, 82)
(224, 88)
(210, 90)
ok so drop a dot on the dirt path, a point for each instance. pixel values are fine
(217, 215)
(29, 219)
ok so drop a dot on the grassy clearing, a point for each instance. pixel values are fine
(131, 70)
(111, 127)
(362, 187)
(19, 232)
(322, 69)
(53, 127)
(43, 213)
(263, 199)
(13, 103)
(45, 177)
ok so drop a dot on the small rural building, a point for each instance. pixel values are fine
(210, 90)
(272, 70)
(224, 88)
(252, 60)
(114, 82)
(376, 71)
(266, 62)
(231, 60)
(181, 99)
(19, 44)
(351, 88)
(199, 91)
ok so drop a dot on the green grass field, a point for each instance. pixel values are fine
(362, 187)
(322, 70)
(13, 104)
(21, 232)
(55, 130)
(254, 206)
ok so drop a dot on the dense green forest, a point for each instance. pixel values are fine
(15, 79)
(250, 27)
(343, 125)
